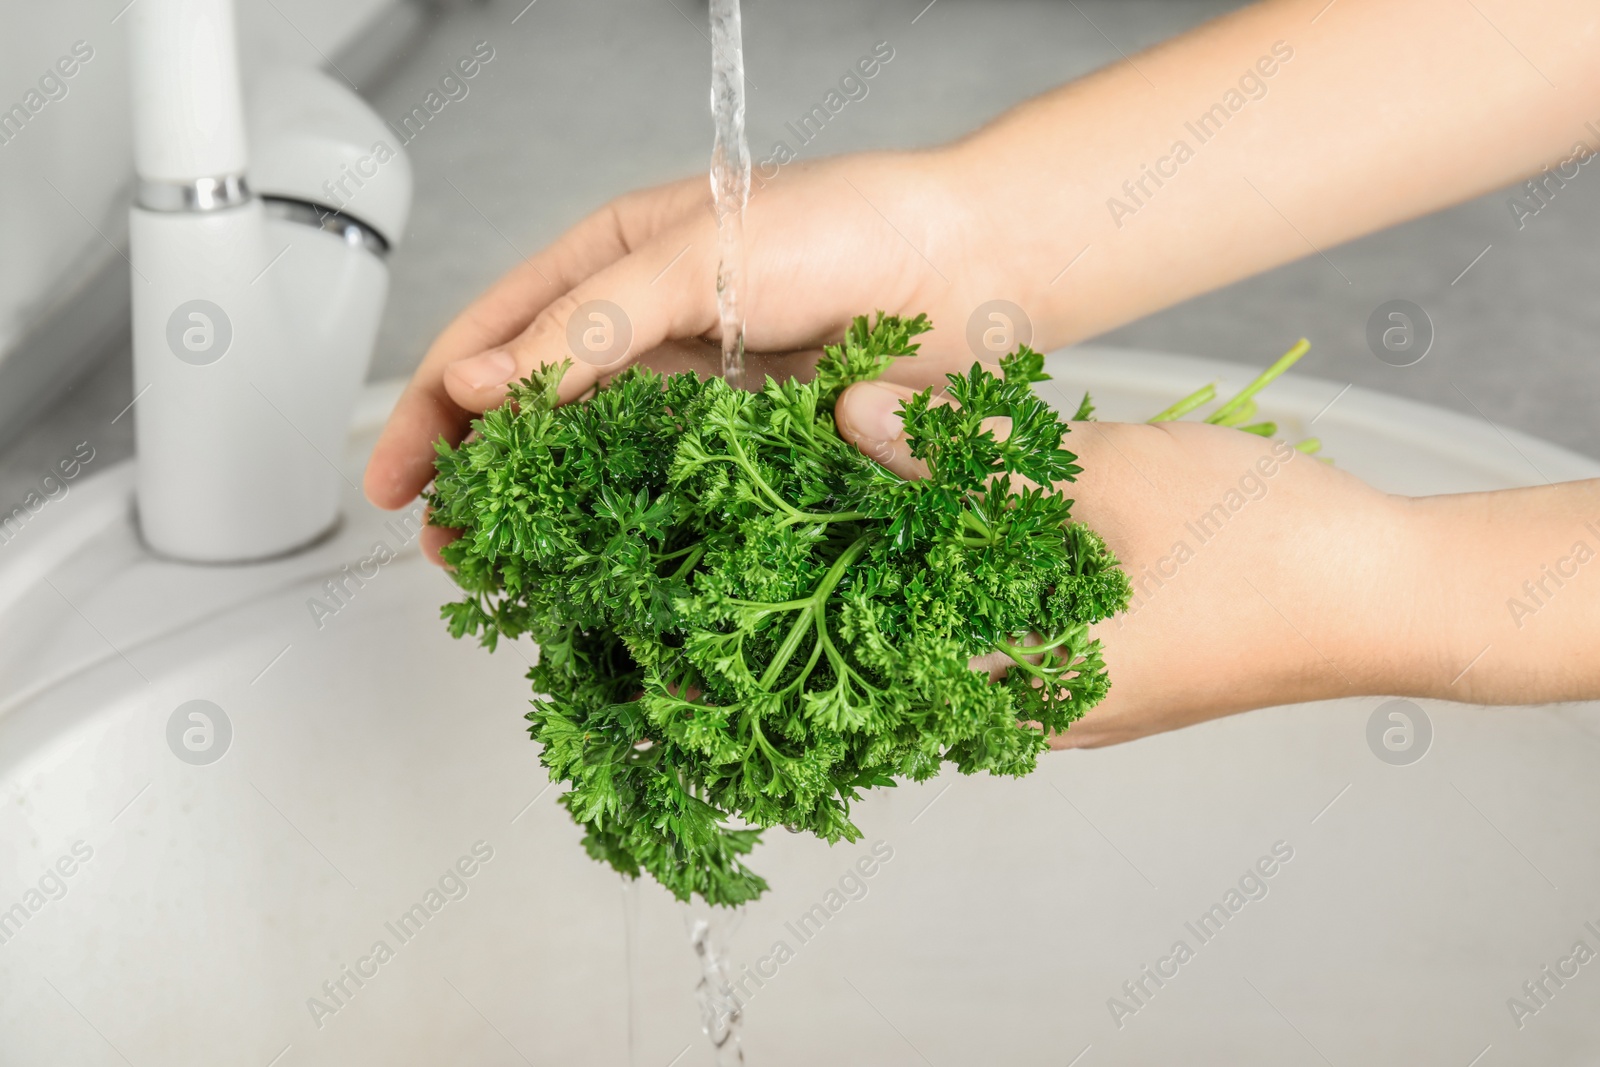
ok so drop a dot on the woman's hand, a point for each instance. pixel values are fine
(1035, 208)
(1261, 576)
(818, 237)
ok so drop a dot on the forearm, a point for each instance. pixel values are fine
(1482, 598)
(1507, 606)
(1261, 582)
(1189, 167)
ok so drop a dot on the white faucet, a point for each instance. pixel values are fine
(255, 301)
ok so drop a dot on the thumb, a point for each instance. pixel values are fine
(868, 416)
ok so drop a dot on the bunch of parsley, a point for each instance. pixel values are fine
(744, 622)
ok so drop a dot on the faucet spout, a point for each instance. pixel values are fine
(254, 309)
(188, 101)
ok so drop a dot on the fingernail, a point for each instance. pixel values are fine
(492, 368)
(876, 413)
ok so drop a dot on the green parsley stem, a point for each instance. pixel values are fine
(818, 600)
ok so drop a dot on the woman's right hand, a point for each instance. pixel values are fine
(818, 236)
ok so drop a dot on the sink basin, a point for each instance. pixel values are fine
(245, 820)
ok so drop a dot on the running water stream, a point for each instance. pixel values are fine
(720, 1011)
(730, 180)
(630, 935)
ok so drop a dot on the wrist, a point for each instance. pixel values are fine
(1404, 623)
(1020, 233)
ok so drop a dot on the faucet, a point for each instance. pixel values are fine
(256, 301)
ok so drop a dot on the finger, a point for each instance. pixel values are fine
(402, 460)
(868, 416)
(433, 539)
(662, 292)
(401, 463)
(616, 230)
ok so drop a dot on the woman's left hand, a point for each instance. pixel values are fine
(1260, 575)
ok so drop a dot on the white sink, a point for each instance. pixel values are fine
(369, 756)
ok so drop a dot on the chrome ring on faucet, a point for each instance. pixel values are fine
(351, 230)
(200, 195)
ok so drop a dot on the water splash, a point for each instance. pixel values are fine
(720, 1012)
(730, 180)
